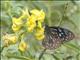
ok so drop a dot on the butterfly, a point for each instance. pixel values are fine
(55, 36)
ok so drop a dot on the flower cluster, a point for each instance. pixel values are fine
(9, 39)
(36, 16)
(33, 22)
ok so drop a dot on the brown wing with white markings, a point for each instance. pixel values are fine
(51, 40)
(55, 36)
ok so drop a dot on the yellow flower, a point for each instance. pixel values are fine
(31, 20)
(25, 13)
(15, 27)
(30, 26)
(40, 15)
(13, 39)
(39, 34)
(40, 37)
(31, 23)
(39, 24)
(17, 23)
(40, 30)
(9, 39)
(22, 46)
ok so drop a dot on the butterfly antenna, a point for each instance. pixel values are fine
(41, 55)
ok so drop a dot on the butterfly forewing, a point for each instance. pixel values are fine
(63, 34)
(55, 36)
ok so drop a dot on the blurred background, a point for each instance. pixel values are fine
(55, 12)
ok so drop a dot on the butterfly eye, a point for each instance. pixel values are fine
(55, 36)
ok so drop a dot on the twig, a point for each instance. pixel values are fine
(55, 57)
(42, 53)
(63, 16)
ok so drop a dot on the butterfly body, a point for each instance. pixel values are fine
(55, 36)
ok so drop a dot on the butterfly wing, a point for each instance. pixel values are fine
(55, 36)
(63, 34)
(51, 40)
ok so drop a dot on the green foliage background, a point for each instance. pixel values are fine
(54, 16)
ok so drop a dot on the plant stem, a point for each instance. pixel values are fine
(2, 48)
(55, 57)
(63, 16)
(42, 53)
